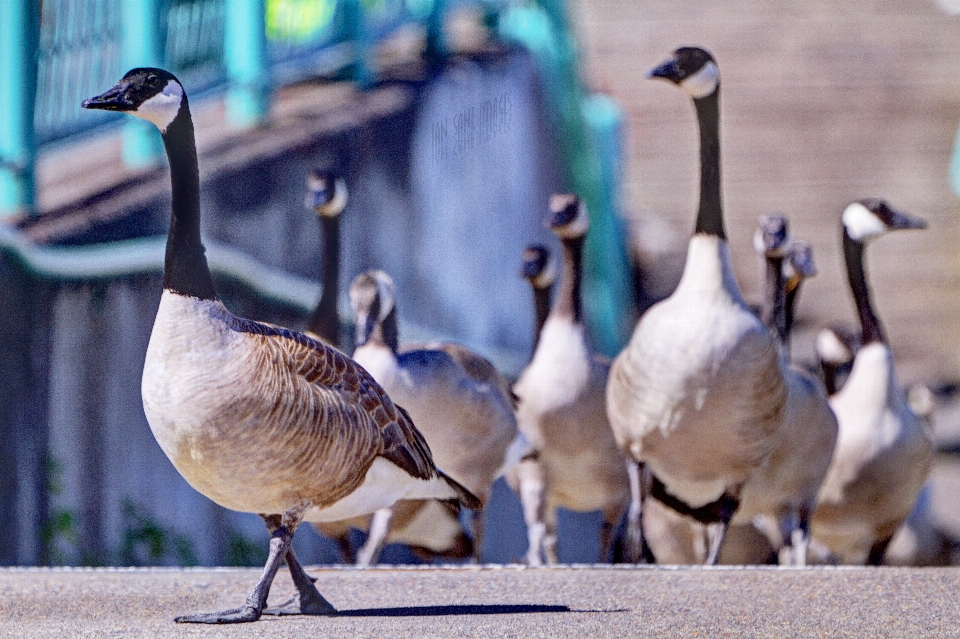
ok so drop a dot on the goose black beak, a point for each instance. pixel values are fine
(901, 220)
(668, 70)
(364, 329)
(114, 99)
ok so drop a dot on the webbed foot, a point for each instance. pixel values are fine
(244, 614)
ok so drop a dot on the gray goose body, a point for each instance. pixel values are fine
(883, 453)
(781, 494)
(562, 411)
(259, 418)
(698, 395)
(461, 404)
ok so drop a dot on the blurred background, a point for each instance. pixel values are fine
(452, 122)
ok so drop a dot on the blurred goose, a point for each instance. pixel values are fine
(781, 494)
(698, 395)
(327, 196)
(883, 452)
(259, 418)
(561, 407)
(461, 404)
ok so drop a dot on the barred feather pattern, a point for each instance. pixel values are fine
(260, 418)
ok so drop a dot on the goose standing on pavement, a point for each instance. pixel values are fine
(883, 452)
(561, 406)
(781, 493)
(460, 403)
(327, 196)
(698, 395)
(259, 418)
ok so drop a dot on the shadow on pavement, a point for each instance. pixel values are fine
(432, 611)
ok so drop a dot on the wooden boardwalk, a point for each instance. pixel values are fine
(822, 103)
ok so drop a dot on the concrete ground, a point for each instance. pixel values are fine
(488, 601)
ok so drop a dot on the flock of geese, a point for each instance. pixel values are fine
(699, 431)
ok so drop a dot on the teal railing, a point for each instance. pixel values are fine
(61, 51)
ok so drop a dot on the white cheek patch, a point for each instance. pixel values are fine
(162, 108)
(703, 82)
(577, 227)
(861, 223)
(547, 276)
(387, 292)
(831, 349)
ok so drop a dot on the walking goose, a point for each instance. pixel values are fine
(256, 417)
(781, 493)
(883, 452)
(327, 196)
(698, 395)
(561, 407)
(461, 404)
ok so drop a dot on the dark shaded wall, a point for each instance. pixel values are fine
(446, 189)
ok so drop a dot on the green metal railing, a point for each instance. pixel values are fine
(64, 50)
(55, 53)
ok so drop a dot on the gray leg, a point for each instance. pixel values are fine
(308, 600)
(379, 527)
(715, 534)
(477, 526)
(255, 603)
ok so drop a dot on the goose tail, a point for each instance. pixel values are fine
(464, 496)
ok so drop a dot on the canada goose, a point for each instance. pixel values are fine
(781, 493)
(883, 451)
(327, 196)
(463, 406)
(797, 267)
(561, 406)
(698, 395)
(256, 417)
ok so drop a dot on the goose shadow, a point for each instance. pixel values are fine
(461, 610)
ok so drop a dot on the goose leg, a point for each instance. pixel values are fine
(715, 535)
(527, 480)
(478, 528)
(550, 535)
(636, 551)
(308, 600)
(379, 527)
(255, 603)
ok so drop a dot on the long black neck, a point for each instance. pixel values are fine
(793, 292)
(185, 268)
(853, 256)
(710, 213)
(541, 303)
(388, 332)
(773, 314)
(325, 321)
(568, 303)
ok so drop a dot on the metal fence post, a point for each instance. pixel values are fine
(245, 42)
(18, 87)
(142, 37)
(354, 31)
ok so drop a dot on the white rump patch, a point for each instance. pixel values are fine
(703, 82)
(862, 223)
(162, 108)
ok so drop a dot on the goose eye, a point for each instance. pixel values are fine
(152, 80)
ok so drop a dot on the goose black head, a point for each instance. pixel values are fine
(326, 193)
(799, 264)
(152, 94)
(872, 217)
(771, 236)
(692, 69)
(568, 216)
(372, 296)
(536, 266)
